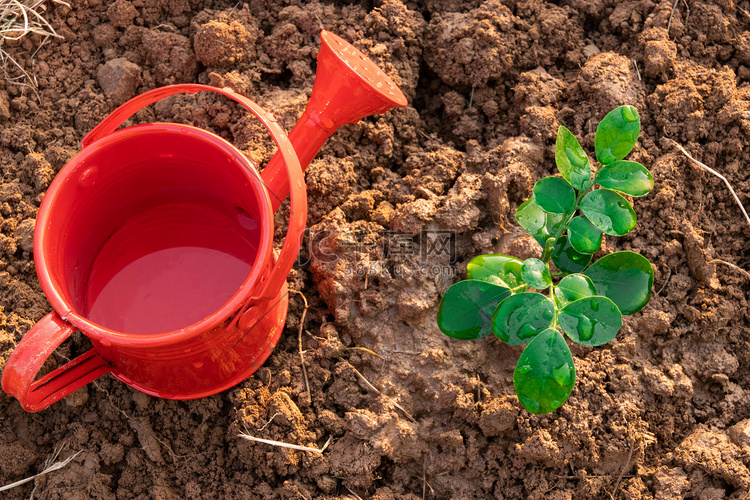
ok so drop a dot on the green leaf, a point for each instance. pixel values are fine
(583, 235)
(467, 307)
(609, 211)
(626, 177)
(521, 316)
(497, 269)
(591, 321)
(625, 278)
(555, 195)
(571, 160)
(616, 134)
(568, 259)
(573, 287)
(545, 374)
(535, 273)
(538, 223)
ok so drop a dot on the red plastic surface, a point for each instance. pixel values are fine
(156, 242)
(151, 241)
(348, 87)
(31, 353)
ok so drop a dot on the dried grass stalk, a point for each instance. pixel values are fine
(19, 18)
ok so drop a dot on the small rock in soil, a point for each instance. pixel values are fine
(282, 405)
(119, 78)
(739, 433)
(112, 453)
(608, 79)
(4, 106)
(670, 484)
(221, 44)
(541, 447)
(712, 452)
(498, 417)
(121, 13)
(743, 48)
(537, 88)
(24, 234)
(41, 168)
(104, 35)
(147, 439)
(659, 57)
(78, 398)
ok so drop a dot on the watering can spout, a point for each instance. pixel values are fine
(348, 86)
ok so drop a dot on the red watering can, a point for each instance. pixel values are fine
(156, 242)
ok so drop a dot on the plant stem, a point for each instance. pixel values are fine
(552, 298)
(567, 217)
(548, 248)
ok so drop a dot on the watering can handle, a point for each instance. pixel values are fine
(29, 357)
(298, 194)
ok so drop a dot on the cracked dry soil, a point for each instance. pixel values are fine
(659, 413)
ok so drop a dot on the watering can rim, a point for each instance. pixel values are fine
(56, 296)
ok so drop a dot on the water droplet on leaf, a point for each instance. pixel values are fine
(575, 159)
(526, 331)
(561, 374)
(629, 114)
(585, 328)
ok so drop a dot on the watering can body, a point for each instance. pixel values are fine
(156, 242)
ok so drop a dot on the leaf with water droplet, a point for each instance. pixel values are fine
(585, 329)
(616, 134)
(609, 211)
(583, 235)
(573, 287)
(524, 369)
(555, 195)
(521, 316)
(467, 308)
(626, 177)
(591, 321)
(625, 278)
(497, 269)
(571, 160)
(538, 223)
(567, 258)
(536, 274)
(545, 374)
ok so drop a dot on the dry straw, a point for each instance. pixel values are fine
(50, 466)
(19, 18)
(285, 445)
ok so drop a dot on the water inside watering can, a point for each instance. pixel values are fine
(169, 267)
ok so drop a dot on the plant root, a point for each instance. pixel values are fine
(285, 445)
(299, 342)
(717, 174)
(733, 266)
(376, 390)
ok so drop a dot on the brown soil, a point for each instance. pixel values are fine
(661, 412)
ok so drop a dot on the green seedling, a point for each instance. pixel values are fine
(534, 303)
